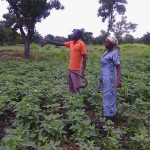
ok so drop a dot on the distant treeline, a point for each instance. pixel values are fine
(12, 37)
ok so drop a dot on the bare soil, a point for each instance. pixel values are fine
(12, 55)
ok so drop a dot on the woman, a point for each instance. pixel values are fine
(109, 61)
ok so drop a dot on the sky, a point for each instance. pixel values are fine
(80, 14)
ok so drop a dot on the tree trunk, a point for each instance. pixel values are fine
(27, 48)
(26, 38)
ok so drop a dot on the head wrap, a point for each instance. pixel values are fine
(114, 41)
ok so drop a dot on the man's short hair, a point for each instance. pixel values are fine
(79, 32)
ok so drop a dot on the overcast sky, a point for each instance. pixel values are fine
(83, 14)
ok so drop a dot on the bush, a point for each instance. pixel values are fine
(34, 46)
(47, 47)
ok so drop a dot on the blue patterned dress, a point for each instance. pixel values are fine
(109, 78)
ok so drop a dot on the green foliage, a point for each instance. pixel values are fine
(34, 46)
(129, 39)
(94, 56)
(146, 38)
(8, 36)
(123, 27)
(26, 19)
(40, 112)
(108, 9)
(87, 37)
(49, 37)
(37, 38)
(136, 50)
(47, 47)
(60, 39)
(47, 116)
(50, 55)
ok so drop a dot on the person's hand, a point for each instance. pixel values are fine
(100, 81)
(118, 83)
(44, 44)
(83, 74)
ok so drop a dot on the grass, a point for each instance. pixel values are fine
(16, 47)
(37, 89)
(51, 55)
(51, 52)
(136, 50)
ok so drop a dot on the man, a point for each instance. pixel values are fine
(77, 57)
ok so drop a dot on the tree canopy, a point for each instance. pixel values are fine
(146, 38)
(109, 10)
(28, 13)
(123, 27)
(8, 33)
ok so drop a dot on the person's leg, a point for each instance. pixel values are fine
(109, 102)
(109, 105)
(76, 80)
(70, 83)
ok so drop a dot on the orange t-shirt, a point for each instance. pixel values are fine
(76, 51)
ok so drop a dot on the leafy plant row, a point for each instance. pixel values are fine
(48, 117)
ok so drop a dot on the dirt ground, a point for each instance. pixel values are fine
(11, 55)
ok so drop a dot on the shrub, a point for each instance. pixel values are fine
(34, 46)
(47, 47)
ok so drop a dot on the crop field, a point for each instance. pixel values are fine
(38, 113)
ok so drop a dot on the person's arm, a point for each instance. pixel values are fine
(118, 67)
(84, 64)
(52, 42)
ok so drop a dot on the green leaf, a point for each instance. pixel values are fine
(57, 142)
(27, 126)
(86, 122)
(30, 117)
(11, 144)
(19, 138)
(32, 144)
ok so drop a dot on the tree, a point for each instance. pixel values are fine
(69, 37)
(100, 39)
(146, 38)
(37, 38)
(28, 13)
(123, 27)
(49, 37)
(10, 30)
(10, 21)
(129, 39)
(139, 40)
(7, 35)
(108, 9)
(87, 37)
(2, 34)
(60, 39)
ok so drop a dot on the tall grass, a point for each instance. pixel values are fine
(53, 53)
(47, 47)
(95, 55)
(16, 47)
(136, 50)
(50, 56)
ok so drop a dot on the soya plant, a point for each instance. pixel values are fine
(38, 112)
